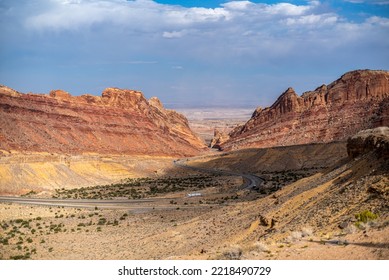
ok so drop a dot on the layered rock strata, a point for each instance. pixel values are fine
(119, 122)
(356, 101)
(365, 141)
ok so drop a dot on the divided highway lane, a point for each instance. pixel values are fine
(251, 181)
(139, 204)
(81, 203)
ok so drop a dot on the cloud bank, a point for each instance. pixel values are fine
(242, 42)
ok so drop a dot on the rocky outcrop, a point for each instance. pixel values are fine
(358, 100)
(376, 139)
(119, 122)
(219, 137)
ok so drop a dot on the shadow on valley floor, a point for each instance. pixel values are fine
(346, 243)
(258, 160)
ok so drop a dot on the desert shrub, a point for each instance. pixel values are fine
(306, 232)
(350, 229)
(233, 253)
(4, 241)
(260, 247)
(102, 221)
(4, 226)
(294, 236)
(366, 216)
(20, 257)
(123, 217)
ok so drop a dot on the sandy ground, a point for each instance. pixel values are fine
(68, 233)
(299, 221)
(21, 173)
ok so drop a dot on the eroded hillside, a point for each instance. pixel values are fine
(119, 122)
(356, 101)
(341, 212)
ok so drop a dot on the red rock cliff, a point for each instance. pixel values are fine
(358, 100)
(118, 122)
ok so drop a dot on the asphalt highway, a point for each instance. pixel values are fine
(250, 182)
(78, 203)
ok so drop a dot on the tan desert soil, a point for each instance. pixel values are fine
(21, 173)
(339, 212)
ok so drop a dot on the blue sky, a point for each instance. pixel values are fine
(189, 53)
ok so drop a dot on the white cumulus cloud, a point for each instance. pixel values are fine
(377, 2)
(174, 34)
(142, 40)
(240, 29)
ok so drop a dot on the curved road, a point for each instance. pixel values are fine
(251, 182)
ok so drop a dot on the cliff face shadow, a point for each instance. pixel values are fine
(377, 245)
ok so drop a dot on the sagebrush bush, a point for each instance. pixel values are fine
(260, 247)
(366, 216)
(307, 231)
(233, 253)
(294, 236)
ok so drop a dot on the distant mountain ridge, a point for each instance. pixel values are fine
(357, 100)
(121, 121)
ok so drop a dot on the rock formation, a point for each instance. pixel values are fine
(119, 122)
(358, 100)
(376, 139)
(218, 138)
